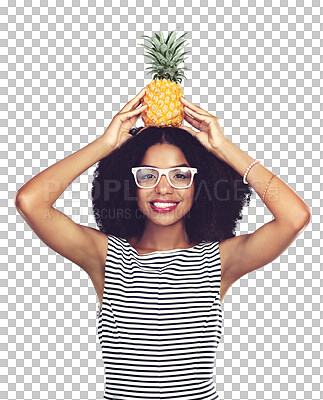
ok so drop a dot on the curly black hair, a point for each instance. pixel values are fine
(219, 193)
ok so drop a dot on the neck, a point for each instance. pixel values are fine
(160, 238)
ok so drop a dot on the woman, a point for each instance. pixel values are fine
(161, 270)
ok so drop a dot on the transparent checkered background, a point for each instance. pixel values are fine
(66, 68)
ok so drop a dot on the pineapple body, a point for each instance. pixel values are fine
(164, 92)
(164, 106)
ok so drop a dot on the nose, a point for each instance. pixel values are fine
(163, 185)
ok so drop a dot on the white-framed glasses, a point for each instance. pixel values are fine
(178, 177)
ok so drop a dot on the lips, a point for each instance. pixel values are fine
(164, 209)
(164, 201)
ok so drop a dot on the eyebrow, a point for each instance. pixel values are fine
(175, 166)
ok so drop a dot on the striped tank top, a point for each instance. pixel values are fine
(160, 322)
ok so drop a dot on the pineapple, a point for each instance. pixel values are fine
(164, 92)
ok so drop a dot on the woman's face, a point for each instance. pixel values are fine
(164, 155)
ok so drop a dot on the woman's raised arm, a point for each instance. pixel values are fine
(34, 200)
(245, 253)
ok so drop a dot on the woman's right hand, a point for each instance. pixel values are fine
(118, 130)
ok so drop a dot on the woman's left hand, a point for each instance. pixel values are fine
(210, 133)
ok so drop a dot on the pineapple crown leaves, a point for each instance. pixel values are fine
(166, 56)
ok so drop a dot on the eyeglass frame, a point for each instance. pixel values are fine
(161, 172)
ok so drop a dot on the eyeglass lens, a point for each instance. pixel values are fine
(179, 177)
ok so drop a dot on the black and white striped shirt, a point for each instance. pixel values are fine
(160, 322)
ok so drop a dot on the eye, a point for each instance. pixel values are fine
(147, 176)
(180, 176)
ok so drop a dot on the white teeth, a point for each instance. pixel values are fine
(163, 205)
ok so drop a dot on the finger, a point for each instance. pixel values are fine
(128, 114)
(133, 103)
(191, 121)
(193, 106)
(138, 102)
(196, 115)
(134, 119)
(139, 96)
(136, 110)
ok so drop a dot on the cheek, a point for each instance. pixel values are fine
(142, 199)
(190, 196)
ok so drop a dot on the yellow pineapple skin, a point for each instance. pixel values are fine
(164, 106)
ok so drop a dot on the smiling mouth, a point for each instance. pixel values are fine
(158, 204)
(158, 207)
